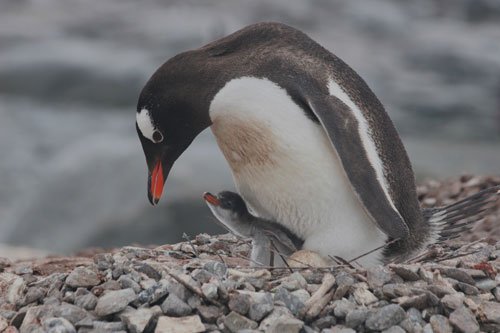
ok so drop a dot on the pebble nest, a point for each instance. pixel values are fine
(206, 284)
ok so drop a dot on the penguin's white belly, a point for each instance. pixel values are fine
(286, 169)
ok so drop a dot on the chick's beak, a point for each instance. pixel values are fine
(211, 199)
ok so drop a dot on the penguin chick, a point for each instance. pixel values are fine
(230, 209)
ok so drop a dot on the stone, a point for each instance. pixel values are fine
(378, 276)
(175, 307)
(209, 313)
(138, 320)
(57, 325)
(174, 287)
(189, 324)
(82, 277)
(15, 292)
(70, 312)
(104, 261)
(343, 307)
(261, 304)
(235, 322)
(486, 284)
(324, 322)
(394, 329)
(496, 293)
(356, 317)
(491, 310)
(277, 312)
(464, 321)
(3, 323)
(407, 272)
(302, 295)
(202, 275)
(392, 290)
(385, 317)
(415, 316)
(33, 294)
(457, 274)
(114, 301)
(362, 295)
(126, 281)
(160, 289)
(294, 281)
(148, 269)
(453, 301)
(338, 329)
(209, 290)
(239, 303)
(286, 324)
(467, 289)
(293, 303)
(87, 302)
(216, 268)
(440, 324)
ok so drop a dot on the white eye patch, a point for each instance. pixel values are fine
(146, 126)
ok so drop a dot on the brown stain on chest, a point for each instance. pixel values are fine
(244, 143)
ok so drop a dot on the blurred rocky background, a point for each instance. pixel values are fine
(72, 172)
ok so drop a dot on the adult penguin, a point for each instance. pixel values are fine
(309, 144)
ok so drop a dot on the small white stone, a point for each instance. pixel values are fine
(190, 324)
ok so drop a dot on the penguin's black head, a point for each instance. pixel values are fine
(172, 110)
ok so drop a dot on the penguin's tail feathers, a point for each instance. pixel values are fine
(450, 221)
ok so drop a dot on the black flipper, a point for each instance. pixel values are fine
(342, 128)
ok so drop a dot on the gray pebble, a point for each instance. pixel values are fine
(202, 275)
(394, 329)
(138, 320)
(453, 301)
(126, 281)
(103, 261)
(260, 306)
(407, 272)
(292, 302)
(464, 321)
(174, 306)
(113, 326)
(457, 274)
(235, 322)
(239, 303)
(324, 322)
(286, 324)
(209, 290)
(491, 311)
(440, 324)
(114, 301)
(467, 289)
(82, 277)
(216, 268)
(87, 302)
(294, 281)
(486, 284)
(356, 317)
(378, 276)
(57, 325)
(385, 317)
(343, 307)
(209, 313)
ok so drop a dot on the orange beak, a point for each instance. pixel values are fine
(211, 199)
(157, 182)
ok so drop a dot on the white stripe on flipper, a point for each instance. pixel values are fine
(145, 124)
(364, 132)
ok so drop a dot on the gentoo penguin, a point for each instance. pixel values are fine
(230, 209)
(309, 144)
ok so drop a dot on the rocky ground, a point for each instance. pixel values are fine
(206, 284)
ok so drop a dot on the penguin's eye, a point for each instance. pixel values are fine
(157, 136)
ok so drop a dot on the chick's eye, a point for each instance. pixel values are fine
(157, 136)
